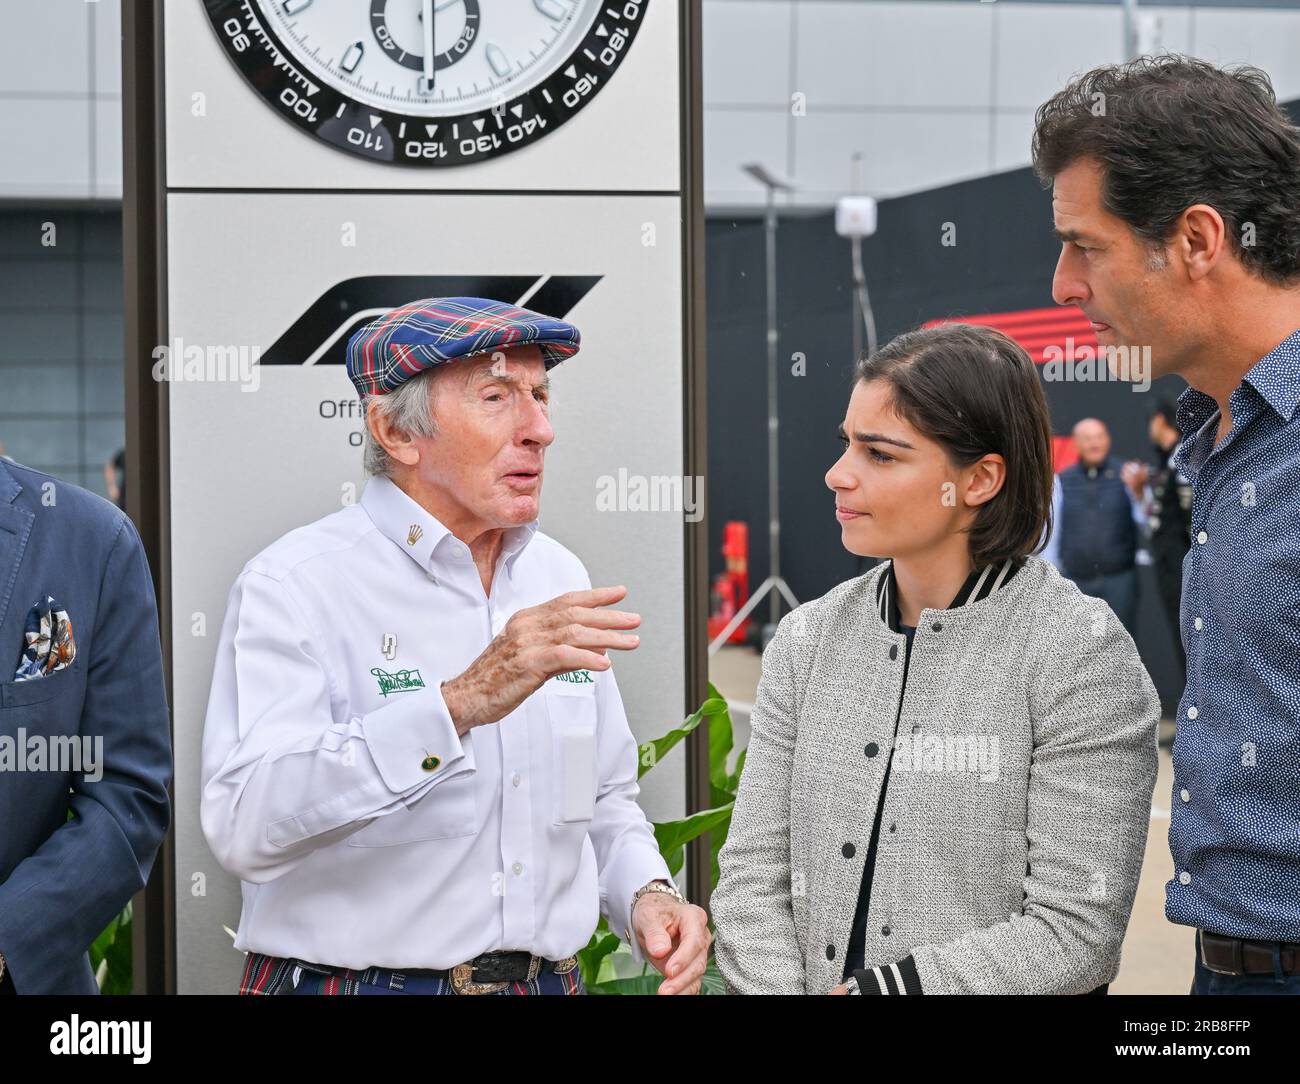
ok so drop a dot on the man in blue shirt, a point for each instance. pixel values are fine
(1176, 196)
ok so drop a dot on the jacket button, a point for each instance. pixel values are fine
(893, 651)
(893, 827)
(830, 952)
(848, 850)
(937, 626)
(884, 930)
(872, 749)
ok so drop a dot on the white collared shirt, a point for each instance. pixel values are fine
(365, 831)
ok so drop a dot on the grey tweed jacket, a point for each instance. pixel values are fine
(1016, 813)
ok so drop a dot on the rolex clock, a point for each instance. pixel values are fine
(427, 82)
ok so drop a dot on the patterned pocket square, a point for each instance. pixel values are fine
(48, 644)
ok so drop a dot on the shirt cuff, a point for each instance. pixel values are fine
(415, 740)
(899, 978)
(634, 867)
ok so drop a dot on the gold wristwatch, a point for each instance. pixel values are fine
(653, 886)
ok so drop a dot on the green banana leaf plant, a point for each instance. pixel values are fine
(110, 955)
(606, 962)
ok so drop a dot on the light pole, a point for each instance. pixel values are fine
(774, 583)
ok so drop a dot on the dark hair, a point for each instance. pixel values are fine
(1167, 410)
(1172, 131)
(974, 391)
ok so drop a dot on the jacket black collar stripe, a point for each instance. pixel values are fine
(979, 585)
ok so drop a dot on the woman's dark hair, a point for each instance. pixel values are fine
(975, 391)
(1172, 131)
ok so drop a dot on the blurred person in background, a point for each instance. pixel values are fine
(1166, 496)
(1097, 512)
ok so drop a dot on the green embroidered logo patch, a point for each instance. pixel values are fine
(398, 682)
(576, 677)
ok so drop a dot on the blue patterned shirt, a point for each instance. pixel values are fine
(1235, 816)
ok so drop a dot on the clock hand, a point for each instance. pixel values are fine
(426, 83)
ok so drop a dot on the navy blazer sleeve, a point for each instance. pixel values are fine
(61, 897)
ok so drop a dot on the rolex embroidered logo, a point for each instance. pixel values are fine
(399, 682)
(414, 534)
(576, 677)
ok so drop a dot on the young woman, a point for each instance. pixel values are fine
(951, 761)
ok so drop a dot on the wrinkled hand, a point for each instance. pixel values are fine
(675, 938)
(842, 988)
(567, 633)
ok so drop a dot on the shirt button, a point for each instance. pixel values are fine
(432, 577)
(518, 868)
(514, 779)
(848, 850)
(1192, 713)
(1184, 878)
(1184, 795)
(1197, 624)
(1202, 537)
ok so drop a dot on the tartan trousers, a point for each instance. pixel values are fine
(276, 975)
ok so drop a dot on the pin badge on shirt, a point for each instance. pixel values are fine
(389, 646)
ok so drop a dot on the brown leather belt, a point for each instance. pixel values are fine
(1234, 956)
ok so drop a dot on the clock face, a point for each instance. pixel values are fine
(427, 82)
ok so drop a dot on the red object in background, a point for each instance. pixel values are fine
(1064, 453)
(731, 588)
(1036, 330)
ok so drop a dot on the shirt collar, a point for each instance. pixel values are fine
(981, 583)
(1276, 376)
(419, 533)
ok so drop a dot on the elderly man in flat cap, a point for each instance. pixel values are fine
(415, 756)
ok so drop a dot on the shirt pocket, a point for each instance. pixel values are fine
(449, 810)
(21, 694)
(571, 709)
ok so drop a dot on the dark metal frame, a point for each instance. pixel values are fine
(144, 278)
(699, 853)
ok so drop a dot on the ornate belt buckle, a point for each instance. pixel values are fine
(563, 967)
(463, 983)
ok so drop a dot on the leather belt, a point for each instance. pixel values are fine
(1235, 956)
(485, 974)
(493, 971)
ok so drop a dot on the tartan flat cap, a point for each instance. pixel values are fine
(388, 351)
